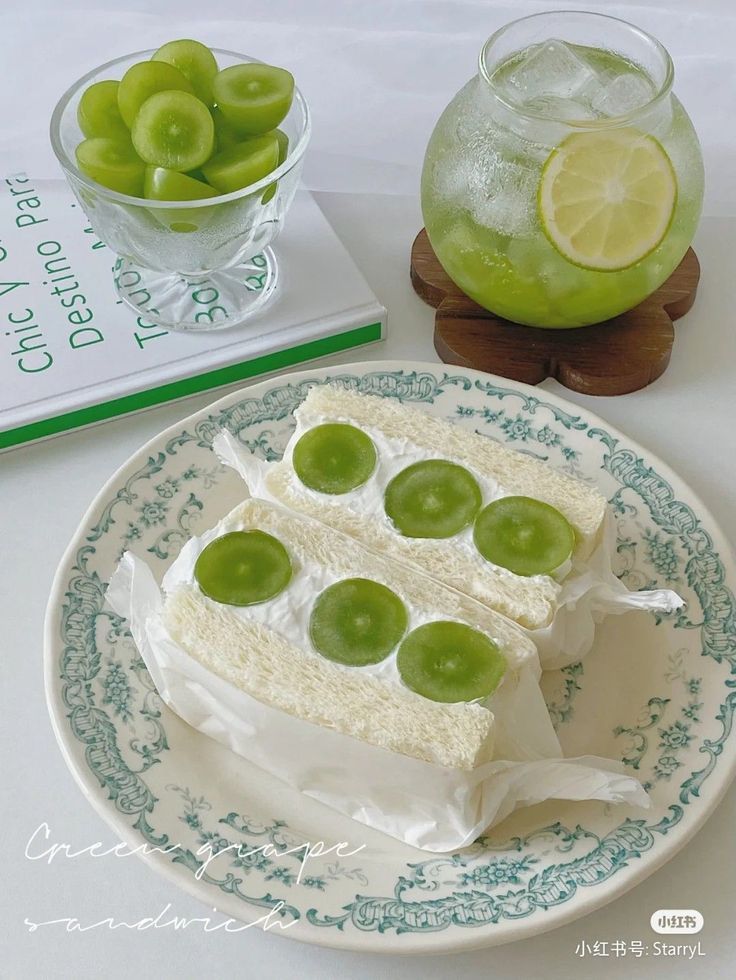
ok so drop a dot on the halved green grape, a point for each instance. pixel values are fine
(254, 97)
(174, 130)
(242, 568)
(98, 113)
(195, 61)
(357, 622)
(145, 79)
(169, 185)
(242, 164)
(112, 163)
(334, 458)
(524, 535)
(432, 499)
(283, 140)
(225, 133)
(449, 661)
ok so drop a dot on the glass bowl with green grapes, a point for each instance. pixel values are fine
(186, 160)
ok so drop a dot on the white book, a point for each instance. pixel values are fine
(61, 368)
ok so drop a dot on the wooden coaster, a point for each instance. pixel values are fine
(611, 358)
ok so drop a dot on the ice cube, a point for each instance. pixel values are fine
(448, 180)
(507, 202)
(549, 68)
(564, 110)
(623, 95)
(484, 163)
(475, 112)
(465, 170)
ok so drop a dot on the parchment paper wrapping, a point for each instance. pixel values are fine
(590, 590)
(590, 593)
(427, 806)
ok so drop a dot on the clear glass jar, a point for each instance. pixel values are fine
(487, 167)
(187, 265)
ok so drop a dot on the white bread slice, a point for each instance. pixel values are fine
(530, 602)
(262, 662)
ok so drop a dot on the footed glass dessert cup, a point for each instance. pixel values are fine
(563, 184)
(187, 265)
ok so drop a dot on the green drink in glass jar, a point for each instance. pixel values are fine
(563, 184)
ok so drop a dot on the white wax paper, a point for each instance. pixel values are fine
(590, 593)
(590, 590)
(428, 806)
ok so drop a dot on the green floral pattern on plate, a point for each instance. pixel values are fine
(116, 732)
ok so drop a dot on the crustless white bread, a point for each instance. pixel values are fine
(260, 660)
(532, 601)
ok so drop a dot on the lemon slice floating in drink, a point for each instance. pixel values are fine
(606, 199)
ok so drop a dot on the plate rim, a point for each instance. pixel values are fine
(408, 943)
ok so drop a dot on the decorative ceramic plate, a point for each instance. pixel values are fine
(658, 694)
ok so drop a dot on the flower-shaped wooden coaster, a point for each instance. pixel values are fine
(612, 358)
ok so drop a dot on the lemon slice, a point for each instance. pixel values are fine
(606, 200)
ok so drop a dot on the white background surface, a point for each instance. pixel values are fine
(377, 75)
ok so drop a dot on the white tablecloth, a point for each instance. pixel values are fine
(376, 75)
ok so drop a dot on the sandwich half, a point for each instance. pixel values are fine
(365, 466)
(264, 601)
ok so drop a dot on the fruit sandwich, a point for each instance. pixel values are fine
(505, 528)
(360, 681)
(291, 612)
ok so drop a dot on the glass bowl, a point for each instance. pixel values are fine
(187, 265)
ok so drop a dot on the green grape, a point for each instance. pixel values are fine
(225, 134)
(432, 499)
(449, 661)
(242, 568)
(334, 458)
(524, 535)
(98, 113)
(242, 164)
(169, 185)
(195, 61)
(255, 98)
(145, 79)
(112, 163)
(357, 622)
(174, 130)
(283, 140)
